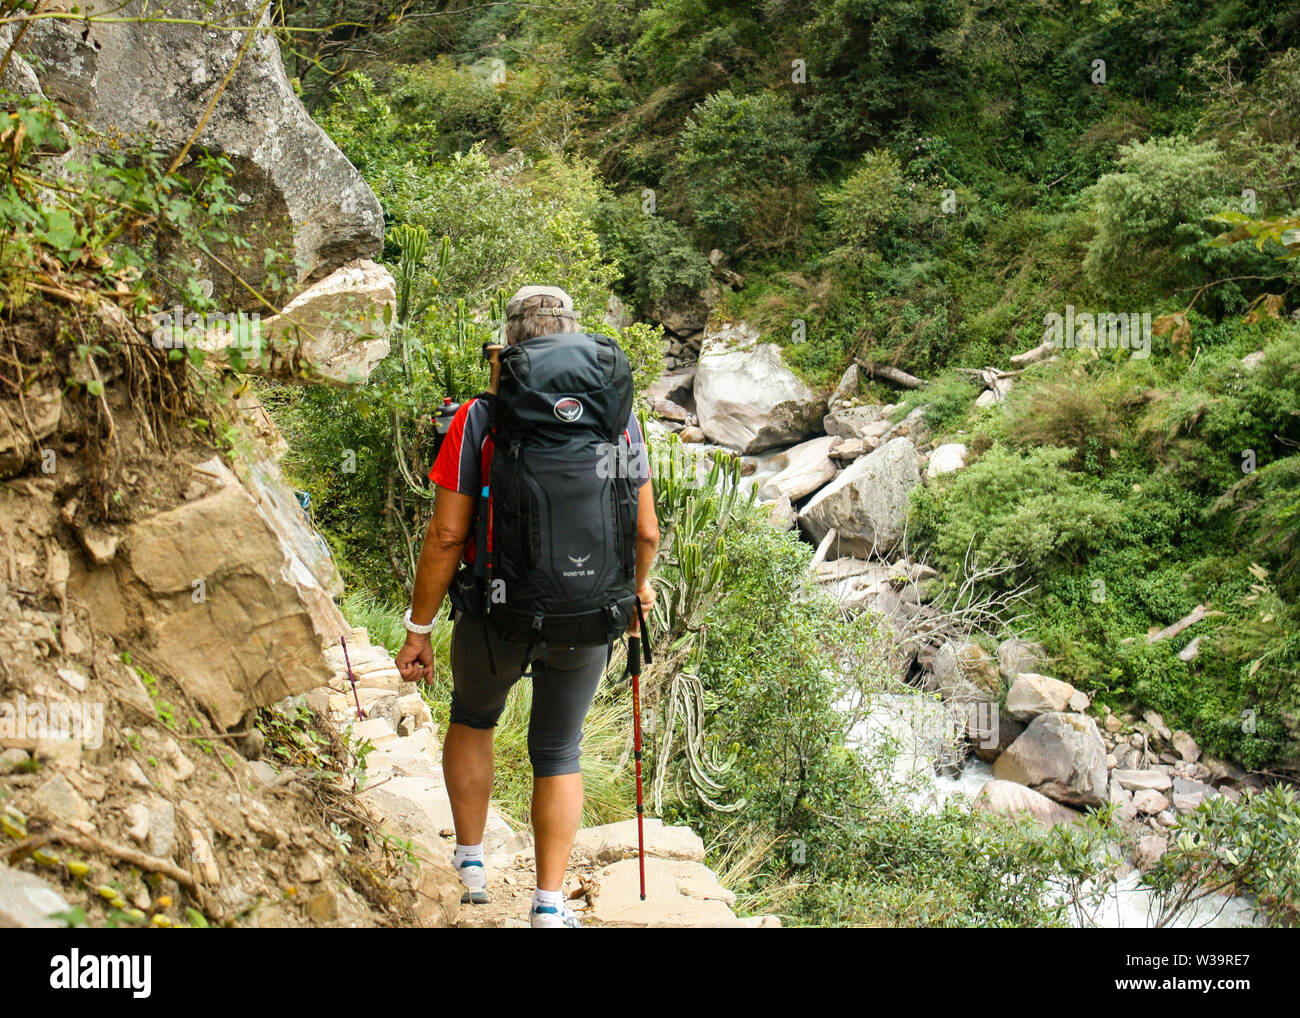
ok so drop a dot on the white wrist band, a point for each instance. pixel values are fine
(412, 627)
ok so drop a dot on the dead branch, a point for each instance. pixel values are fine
(892, 374)
(1201, 611)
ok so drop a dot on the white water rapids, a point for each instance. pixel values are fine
(914, 724)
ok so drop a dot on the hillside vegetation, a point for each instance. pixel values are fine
(914, 184)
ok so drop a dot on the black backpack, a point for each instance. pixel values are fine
(556, 556)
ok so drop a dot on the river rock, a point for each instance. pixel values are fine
(1032, 694)
(141, 78)
(867, 503)
(945, 459)
(667, 410)
(1149, 801)
(1139, 780)
(677, 385)
(868, 422)
(1186, 746)
(745, 396)
(1009, 799)
(801, 470)
(1061, 755)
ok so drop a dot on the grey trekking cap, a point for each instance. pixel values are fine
(514, 307)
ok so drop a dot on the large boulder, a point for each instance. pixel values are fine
(333, 332)
(868, 503)
(1008, 799)
(991, 730)
(745, 396)
(1016, 656)
(142, 78)
(884, 588)
(1061, 755)
(1032, 694)
(964, 673)
(801, 470)
(216, 591)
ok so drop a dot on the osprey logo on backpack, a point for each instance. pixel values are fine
(568, 409)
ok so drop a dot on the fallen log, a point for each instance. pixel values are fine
(822, 550)
(892, 374)
(1043, 350)
(1201, 611)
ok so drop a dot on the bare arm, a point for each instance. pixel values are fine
(647, 547)
(444, 542)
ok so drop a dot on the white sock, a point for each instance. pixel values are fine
(555, 899)
(467, 853)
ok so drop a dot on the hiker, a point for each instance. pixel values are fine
(545, 530)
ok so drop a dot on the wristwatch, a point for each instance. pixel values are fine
(413, 628)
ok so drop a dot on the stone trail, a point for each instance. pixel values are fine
(405, 789)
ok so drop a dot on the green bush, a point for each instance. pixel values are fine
(1017, 508)
(1159, 204)
(657, 258)
(746, 162)
(868, 201)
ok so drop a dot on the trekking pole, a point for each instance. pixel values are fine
(634, 669)
(343, 640)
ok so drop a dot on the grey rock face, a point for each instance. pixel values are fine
(746, 397)
(867, 503)
(1061, 755)
(156, 80)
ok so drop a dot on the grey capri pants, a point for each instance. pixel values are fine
(564, 683)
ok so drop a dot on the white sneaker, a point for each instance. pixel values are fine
(474, 876)
(548, 917)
